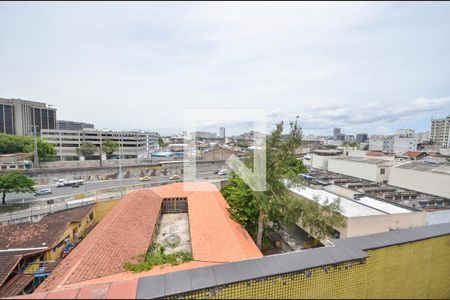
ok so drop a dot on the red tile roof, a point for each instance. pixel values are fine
(43, 234)
(127, 231)
(122, 235)
(414, 153)
(374, 153)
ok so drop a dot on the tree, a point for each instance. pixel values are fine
(15, 182)
(267, 210)
(25, 144)
(109, 147)
(87, 150)
(161, 143)
(366, 147)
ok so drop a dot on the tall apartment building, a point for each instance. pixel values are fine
(133, 144)
(19, 116)
(73, 125)
(440, 132)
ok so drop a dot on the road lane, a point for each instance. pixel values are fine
(87, 187)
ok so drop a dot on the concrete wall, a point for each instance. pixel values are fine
(382, 223)
(425, 182)
(356, 169)
(320, 161)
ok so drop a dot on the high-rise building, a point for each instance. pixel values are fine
(440, 132)
(19, 116)
(72, 125)
(222, 132)
(336, 132)
(349, 138)
(361, 137)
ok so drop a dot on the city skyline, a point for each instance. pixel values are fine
(139, 63)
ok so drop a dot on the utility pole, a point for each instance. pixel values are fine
(36, 156)
(120, 162)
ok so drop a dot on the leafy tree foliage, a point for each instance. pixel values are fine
(161, 143)
(267, 210)
(25, 144)
(109, 147)
(366, 147)
(15, 182)
(87, 150)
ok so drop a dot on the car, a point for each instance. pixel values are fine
(145, 178)
(222, 172)
(42, 192)
(174, 177)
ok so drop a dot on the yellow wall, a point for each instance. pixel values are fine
(103, 208)
(413, 270)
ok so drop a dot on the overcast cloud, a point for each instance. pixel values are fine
(366, 67)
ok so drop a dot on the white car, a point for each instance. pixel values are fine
(222, 172)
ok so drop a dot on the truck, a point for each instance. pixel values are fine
(64, 182)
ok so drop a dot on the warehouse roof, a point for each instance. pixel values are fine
(368, 160)
(442, 168)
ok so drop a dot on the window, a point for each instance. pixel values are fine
(382, 171)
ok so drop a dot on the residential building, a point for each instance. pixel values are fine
(368, 168)
(428, 178)
(29, 252)
(440, 132)
(349, 138)
(363, 215)
(19, 116)
(73, 125)
(381, 143)
(415, 155)
(206, 135)
(132, 144)
(195, 214)
(222, 132)
(404, 143)
(361, 137)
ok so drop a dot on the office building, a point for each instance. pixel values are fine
(336, 131)
(349, 138)
(440, 132)
(133, 144)
(222, 132)
(73, 125)
(19, 116)
(361, 137)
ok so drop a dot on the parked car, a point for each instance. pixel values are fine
(145, 178)
(174, 177)
(42, 192)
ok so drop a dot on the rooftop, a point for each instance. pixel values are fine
(42, 234)
(367, 160)
(127, 231)
(443, 168)
(366, 206)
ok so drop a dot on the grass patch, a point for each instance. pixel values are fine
(156, 256)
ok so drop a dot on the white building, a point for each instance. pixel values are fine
(433, 179)
(440, 132)
(384, 143)
(404, 143)
(373, 169)
(222, 132)
(132, 144)
(364, 215)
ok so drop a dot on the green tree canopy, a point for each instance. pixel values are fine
(108, 147)
(161, 143)
(15, 182)
(25, 144)
(87, 150)
(259, 211)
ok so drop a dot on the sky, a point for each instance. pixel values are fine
(364, 67)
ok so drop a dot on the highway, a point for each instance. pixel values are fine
(88, 187)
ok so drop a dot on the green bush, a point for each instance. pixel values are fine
(156, 256)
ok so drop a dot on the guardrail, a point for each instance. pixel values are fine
(50, 205)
